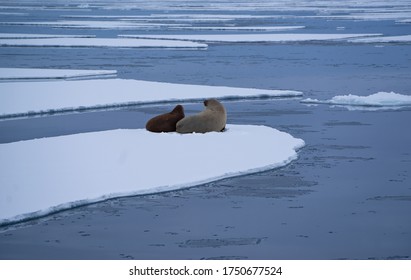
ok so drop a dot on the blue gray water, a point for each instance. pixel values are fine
(348, 196)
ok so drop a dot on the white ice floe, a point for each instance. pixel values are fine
(92, 24)
(39, 36)
(12, 74)
(246, 38)
(385, 39)
(12, 14)
(100, 42)
(380, 100)
(27, 98)
(370, 16)
(210, 16)
(169, 16)
(50, 174)
(266, 5)
(240, 28)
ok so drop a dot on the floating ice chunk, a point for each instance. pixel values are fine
(18, 99)
(171, 16)
(91, 24)
(100, 42)
(210, 16)
(380, 100)
(241, 28)
(244, 38)
(10, 74)
(13, 14)
(371, 16)
(39, 36)
(386, 39)
(45, 175)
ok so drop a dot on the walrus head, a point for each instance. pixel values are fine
(178, 110)
(213, 105)
(211, 102)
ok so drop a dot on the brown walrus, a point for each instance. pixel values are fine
(212, 118)
(166, 122)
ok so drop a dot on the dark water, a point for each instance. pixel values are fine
(347, 196)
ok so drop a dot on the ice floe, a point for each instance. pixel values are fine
(41, 176)
(240, 28)
(380, 100)
(100, 42)
(384, 39)
(28, 98)
(265, 6)
(92, 24)
(377, 16)
(39, 36)
(12, 74)
(245, 38)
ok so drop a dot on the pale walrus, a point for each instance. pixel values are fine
(166, 122)
(212, 118)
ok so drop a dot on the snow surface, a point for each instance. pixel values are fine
(380, 100)
(100, 42)
(27, 98)
(239, 38)
(41, 176)
(36, 73)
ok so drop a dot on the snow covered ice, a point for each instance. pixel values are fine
(240, 38)
(380, 100)
(100, 43)
(16, 74)
(45, 175)
(28, 98)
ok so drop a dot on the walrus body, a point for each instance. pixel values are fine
(212, 118)
(166, 122)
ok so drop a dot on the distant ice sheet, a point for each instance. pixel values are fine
(12, 74)
(244, 38)
(91, 24)
(240, 28)
(100, 42)
(370, 16)
(46, 175)
(385, 39)
(27, 98)
(380, 100)
(39, 36)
